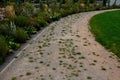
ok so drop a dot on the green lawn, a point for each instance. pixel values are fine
(106, 28)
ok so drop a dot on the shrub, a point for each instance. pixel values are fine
(76, 7)
(56, 16)
(13, 45)
(9, 38)
(10, 41)
(99, 7)
(44, 15)
(32, 22)
(41, 21)
(65, 12)
(27, 9)
(3, 49)
(10, 12)
(5, 29)
(21, 21)
(115, 6)
(20, 35)
(30, 30)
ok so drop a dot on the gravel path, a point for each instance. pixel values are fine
(66, 50)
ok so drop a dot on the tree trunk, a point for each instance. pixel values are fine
(115, 2)
(109, 1)
(104, 2)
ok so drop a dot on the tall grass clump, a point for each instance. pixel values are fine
(3, 49)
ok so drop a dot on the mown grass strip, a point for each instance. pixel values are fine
(106, 28)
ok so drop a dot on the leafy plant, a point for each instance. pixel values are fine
(14, 45)
(30, 30)
(20, 35)
(5, 29)
(21, 21)
(27, 9)
(41, 22)
(10, 41)
(56, 16)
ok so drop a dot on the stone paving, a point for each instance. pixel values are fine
(66, 50)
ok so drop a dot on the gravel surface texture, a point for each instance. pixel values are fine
(66, 50)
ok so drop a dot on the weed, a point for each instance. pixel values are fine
(102, 68)
(28, 73)
(53, 68)
(118, 66)
(94, 60)
(41, 61)
(14, 78)
(89, 77)
(21, 75)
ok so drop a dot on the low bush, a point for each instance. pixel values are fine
(3, 49)
(56, 16)
(64, 12)
(30, 30)
(5, 29)
(44, 15)
(32, 22)
(41, 22)
(21, 21)
(76, 8)
(27, 9)
(13, 45)
(20, 35)
(114, 6)
(10, 41)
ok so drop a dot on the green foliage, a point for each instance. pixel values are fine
(10, 41)
(42, 19)
(54, 8)
(27, 9)
(30, 30)
(9, 38)
(106, 29)
(13, 45)
(75, 1)
(76, 7)
(44, 16)
(114, 6)
(20, 35)
(56, 16)
(41, 22)
(65, 12)
(3, 49)
(32, 22)
(104, 2)
(21, 21)
(5, 29)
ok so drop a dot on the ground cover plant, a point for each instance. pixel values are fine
(106, 28)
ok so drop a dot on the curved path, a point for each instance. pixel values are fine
(66, 50)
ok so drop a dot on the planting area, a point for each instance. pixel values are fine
(106, 28)
(65, 50)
